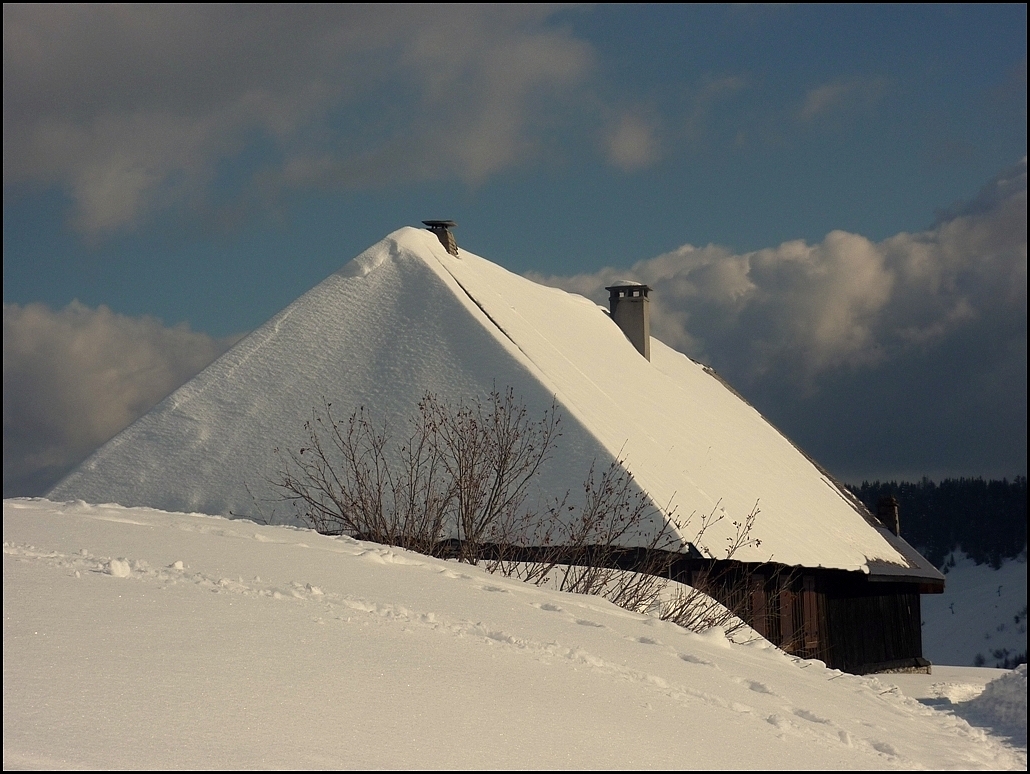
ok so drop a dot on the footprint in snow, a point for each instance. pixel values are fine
(758, 687)
(585, 622)
(886, 748)
(455, 575)
(550, 608)
(811, 717)
(496, 589)
(648, 641)
(690, 658)
(118, 568)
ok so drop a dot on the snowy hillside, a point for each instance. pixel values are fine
(982, 613)
(135, 638)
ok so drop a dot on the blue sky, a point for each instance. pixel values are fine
(208, 165)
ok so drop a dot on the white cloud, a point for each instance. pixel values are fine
(840, 95)
(632, 143)
(892, 359)
(75, 377)
(845, 303)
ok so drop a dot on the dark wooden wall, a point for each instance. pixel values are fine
(872, 626)
(842, 618)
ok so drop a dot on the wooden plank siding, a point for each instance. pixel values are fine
(874, 628)
(842, 618)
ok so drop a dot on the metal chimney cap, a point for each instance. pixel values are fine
(442, 229)
(626, 289)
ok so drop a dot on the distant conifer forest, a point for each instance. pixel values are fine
(986, 519)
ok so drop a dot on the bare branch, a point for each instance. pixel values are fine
(457, 484)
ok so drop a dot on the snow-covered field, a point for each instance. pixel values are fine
(982, 612)
(136, 638)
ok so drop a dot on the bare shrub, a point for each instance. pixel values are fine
(696, 606)
(456, 487)
(617, 544)
(343, 483)
(461, 473)
(591, 556)
(491, 455)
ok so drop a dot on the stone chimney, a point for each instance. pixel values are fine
(631, 311)
(887, 512)
(442, 229)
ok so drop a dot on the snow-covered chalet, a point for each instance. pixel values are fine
(414, 313)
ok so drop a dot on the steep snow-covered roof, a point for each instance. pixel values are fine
(405, 317)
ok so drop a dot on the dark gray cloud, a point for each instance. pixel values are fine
(130, 108)
(73, 378)
(900, 357)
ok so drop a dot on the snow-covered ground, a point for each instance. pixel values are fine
(139, 638)
(982, 612)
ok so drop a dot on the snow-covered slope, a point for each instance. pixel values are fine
(406, 317)
(981, 616)
(135, 638)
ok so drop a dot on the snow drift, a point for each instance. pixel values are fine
(139, 639)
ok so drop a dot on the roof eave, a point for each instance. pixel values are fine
(918, 570)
